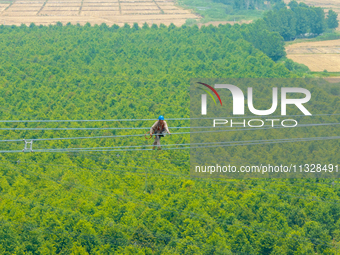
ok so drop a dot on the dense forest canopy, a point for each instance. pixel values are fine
(140, 202)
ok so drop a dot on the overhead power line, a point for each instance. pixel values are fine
(238, 143)
(210, 143)
(178, 133)
(114, 120)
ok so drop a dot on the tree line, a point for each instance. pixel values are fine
(249, 4)
(298, 19)
(290, 21)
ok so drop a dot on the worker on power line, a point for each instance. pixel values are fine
(159, 128)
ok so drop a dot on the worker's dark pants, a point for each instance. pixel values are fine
(157, 141)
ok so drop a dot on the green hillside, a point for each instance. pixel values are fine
(89, 195)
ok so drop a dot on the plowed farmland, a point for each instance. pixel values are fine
(93, 11)
(318, 56)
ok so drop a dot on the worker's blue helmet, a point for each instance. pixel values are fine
(161, 117)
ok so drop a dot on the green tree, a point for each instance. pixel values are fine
(332, 19)
(317, 20)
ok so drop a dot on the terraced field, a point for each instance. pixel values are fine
(93, 11)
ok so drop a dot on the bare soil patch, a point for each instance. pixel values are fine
(95, 5)
(76, 4)
(94, 12)
(23, 9)
(16, 14)
(137, 4)
(318, 56)
(318, 62)
(15, 5)
(59, 13)
(64, 8)
(140, 7)
(99, 13)
(169, 7)
(136, 12)
(100, 8)
(27, 2)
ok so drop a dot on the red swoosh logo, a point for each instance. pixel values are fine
(213, 90)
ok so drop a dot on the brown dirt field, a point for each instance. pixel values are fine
(68, 2)
(59, 13)
(318, 56)
(62, 5)
(319, 50)
(100, 13)
(68, 8)
(140, 7)
(3, 7)
(168, 4)
(318, 62)
(95, 12)
(23, 9)
(65, 1)
(138, 4)
(328, 43)
(82, 20)
(136, 12)
(100, 9)
(33, 3)
(169, 7)
(136, 1)
(128, 5)
(177, 11)
(16, 14)
(101, 5)
(26, 5)
(152, 17)
(101, 2)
